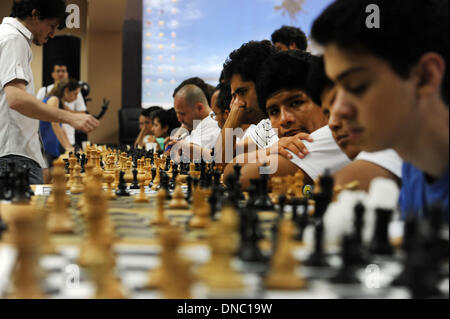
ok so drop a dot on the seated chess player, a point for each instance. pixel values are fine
(281, 90)
(145, 127)
(163, 122)
(365, 166)
(199, 130)
(392, 88)
(241, 71)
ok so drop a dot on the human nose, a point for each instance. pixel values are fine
(342, 107)
(286, 117)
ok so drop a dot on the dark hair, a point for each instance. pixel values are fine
(59, 62)
(48, 9)
(167, 118)
(224, 98)
(283, 71)
(58, 90)
(247, 60)
(287, 35)
(148, 112)
(408, 29)
(317, 80)
(197, 82)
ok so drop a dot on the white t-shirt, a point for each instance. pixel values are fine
(263, 134)
(77, 106)
(19, 134)
(324, 153)
(205, 133)
(388, 159)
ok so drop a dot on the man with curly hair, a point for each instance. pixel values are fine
(31, 21)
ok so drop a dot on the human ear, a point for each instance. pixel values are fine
(430, 71)
(35, 14)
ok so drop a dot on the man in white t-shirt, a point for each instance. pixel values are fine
(281, 89)
(19, 109)
(241, 70)
(200, 130)
(60, 73)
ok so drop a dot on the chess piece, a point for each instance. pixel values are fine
(178, 201)
(223, 239)
(128, 173)
(282, 274)
(200, 210)
(318, 258)
(77, 186)
(346, 273)
(380, 244)
(27, 238)
(59, 219)
(141, 198)
(175, 277)
(160, 219)
(135, 184)
(157, 179)
(95, 248)
(122, 186)
(109, 179)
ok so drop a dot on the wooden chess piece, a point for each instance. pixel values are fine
(141, 197)
(77, 185)
(59, 219)
(157, 179)
(27, 238)
(160, 218)
(178, 201)
(223, 239)
(176, 279)
(201, 210)
(110, 193)
(129, 173)
(282, 274)
(95, 248)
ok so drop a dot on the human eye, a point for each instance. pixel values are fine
(297, 103)
(274, 111)
(357, 90)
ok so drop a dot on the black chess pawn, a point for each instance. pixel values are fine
(422, 277)
(83, 162)
(135, 184)
(409, 234)
(282, 199)
(302, 219)
(361, 255)
(66, 165)
(346, 273)
(249, 250)
(318, 257)
(380, 244)
(274, 229)
(122, 186)
(263, 201)
(165, 183)
(189, 181)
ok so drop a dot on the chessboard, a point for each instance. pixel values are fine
(137, 251)
(83, 238)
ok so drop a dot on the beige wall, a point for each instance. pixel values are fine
(101, 58)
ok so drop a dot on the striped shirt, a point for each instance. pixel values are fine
(264, 135)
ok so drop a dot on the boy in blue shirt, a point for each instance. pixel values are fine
(389, 60)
